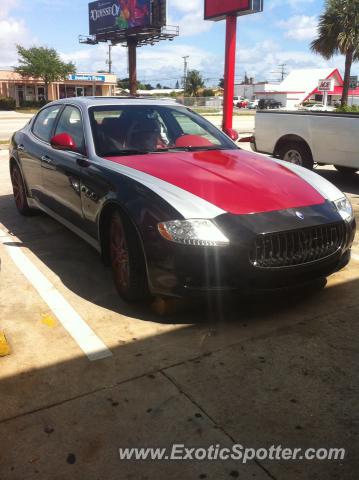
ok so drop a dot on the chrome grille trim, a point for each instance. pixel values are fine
(297, 247)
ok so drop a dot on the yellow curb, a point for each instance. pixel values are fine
(4, 346)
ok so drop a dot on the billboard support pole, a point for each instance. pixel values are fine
(132, 65)
(229, 71)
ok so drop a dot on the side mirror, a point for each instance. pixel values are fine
(63, 141)
(233, 134)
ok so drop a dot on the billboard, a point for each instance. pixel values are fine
(111, 15)
(219, 9)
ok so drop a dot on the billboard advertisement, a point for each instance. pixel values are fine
(219, 9)
(111, 15)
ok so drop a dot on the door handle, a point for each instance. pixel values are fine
(21, 147)
(46, 159)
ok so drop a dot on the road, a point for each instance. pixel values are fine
(241, 123)
(10, 122)
(259, 371)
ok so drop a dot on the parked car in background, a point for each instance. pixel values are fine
(305, 138)
(172, 204)
(267, 103)
(236, 99)
(243, 103)
(319, 107)
(253, 105)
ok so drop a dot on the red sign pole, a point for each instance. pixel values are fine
(229, 71)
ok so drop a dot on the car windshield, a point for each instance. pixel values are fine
(136, 129)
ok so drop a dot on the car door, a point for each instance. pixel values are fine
(61, 170)
(30, 144)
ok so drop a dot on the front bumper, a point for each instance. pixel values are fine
(181, 270)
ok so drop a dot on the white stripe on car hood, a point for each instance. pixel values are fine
(324, 187)
(186, 203)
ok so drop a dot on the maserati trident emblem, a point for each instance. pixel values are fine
(299, 215)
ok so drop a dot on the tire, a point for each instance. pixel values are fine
(297, 153)
(19, 190)
(347, 170)
(127, 260)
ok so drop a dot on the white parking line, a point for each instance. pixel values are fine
(83, 335)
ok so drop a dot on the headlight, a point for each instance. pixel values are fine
(344, 208)
(193, 232)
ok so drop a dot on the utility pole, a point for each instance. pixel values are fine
(185, 72)
(283, 71)
(109, 60)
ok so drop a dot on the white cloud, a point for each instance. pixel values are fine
(300, 27)
(7, 6)
(189, 17)
(186, 6)
(294, 4)
(12, 31)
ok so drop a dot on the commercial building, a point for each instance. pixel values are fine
(298, 87)
(78, 85)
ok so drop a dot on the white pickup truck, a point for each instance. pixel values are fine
(306, 138)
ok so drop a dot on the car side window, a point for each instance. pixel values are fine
(71, 122)
(45, 121)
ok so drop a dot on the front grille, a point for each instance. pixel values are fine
(297, 247)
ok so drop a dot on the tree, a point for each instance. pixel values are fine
(123, 83)
(221, 83)
(338, 32)
(43, 63)
(177, 85)
(208, 92)
(194, 83)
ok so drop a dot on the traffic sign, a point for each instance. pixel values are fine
(326, 85)
(353, 83)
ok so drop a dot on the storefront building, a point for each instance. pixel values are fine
(78, 85)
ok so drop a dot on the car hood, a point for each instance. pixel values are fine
(235, 181)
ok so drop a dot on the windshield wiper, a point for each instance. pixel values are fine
(193, 149)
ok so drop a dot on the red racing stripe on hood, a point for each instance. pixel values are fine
(236, 181)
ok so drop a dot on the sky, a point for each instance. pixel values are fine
(281, 34)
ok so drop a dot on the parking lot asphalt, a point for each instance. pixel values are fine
(258, 371)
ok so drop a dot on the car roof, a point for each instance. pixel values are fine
(106, 101)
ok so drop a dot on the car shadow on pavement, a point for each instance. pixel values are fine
(82, 271)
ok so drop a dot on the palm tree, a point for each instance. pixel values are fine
(194, 82)
(338, 32)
